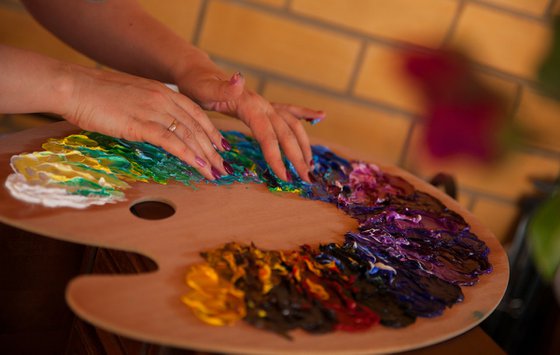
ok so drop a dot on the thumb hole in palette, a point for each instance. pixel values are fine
(152, 209)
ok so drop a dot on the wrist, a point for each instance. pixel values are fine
(192, 60)
(62, 88)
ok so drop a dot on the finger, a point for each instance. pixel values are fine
(157, 134)
(186, 109)
(301, 112)
(300, 134)
(266, 137)
(290, 145)
(213, 89)
(194, 136)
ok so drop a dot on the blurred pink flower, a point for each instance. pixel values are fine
(463, 116)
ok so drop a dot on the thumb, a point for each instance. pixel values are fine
(213, 90)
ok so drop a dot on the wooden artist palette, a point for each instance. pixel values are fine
(148, 307)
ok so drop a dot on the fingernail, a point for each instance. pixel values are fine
(228, 167)
(200, 161)
(235, 78)
(226, 144)
(311, 163)
(215, 173)
(288, 176)
(314, 120)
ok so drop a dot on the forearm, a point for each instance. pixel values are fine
(119, 34)
(31, 82)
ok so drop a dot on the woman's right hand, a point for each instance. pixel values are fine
(138, 109)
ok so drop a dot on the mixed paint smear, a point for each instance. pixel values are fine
(93, 169)
(408, 258)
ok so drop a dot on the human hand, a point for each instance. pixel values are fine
(274, 126)
(138, 109)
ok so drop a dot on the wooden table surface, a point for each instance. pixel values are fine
(147, 306)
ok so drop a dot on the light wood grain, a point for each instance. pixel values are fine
(148, 306)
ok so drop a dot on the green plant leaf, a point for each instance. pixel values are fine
(544, 234)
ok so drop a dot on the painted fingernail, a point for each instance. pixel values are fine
(228, 167)
(215, 173)
(235, 78)
(311, 163)
(200, 161)
(313, 120)
(226, 144)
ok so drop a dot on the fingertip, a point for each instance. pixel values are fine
(237, 78)
(304, 174)
(216, 173)
(281, 172)
(314, 120)
(228, 168)
(231, 89)
(225, 144)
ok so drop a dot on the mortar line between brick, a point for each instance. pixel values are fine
(478, 194)
(506, 76)
(199, 23)
(549, 12)
(528, 148)
(406, 145)
(261, 86)
(356, 69)
(288, 5)
(517, 13)
(472, 202)
(454, 23)
(516, 101)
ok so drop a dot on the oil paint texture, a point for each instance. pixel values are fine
(409, 257)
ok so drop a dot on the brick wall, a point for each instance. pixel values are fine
(342, 56)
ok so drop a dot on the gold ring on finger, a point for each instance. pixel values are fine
(173, 126)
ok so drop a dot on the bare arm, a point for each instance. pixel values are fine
(31, 82)
(93, 100)
(117, 33)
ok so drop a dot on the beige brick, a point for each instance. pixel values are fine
(509, 178)
(420, 22)
(499, 217)
(273, 43)
(373, 135)
(382, 78)
(533, 7)
(275, 3)
(20, 30)
(539, 118)
(180, 16)
(507, 42)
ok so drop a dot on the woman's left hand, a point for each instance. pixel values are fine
(277, 127)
